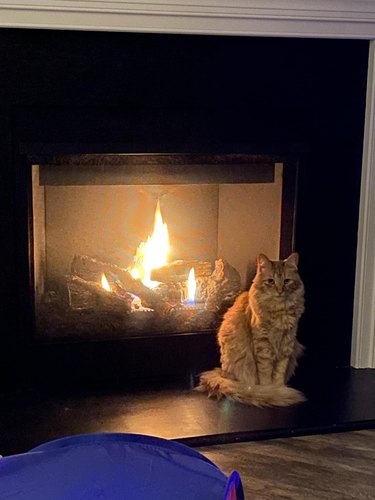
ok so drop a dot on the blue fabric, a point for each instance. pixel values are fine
(111, 466)
(234, 488)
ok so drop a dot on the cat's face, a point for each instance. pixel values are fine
(278, 278)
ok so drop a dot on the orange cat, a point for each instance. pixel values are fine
(257, 339)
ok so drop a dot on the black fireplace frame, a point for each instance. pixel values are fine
(168, 93)
(137, 358)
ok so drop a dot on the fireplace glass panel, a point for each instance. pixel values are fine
(145, 245)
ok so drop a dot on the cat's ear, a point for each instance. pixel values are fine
(292, 260)
(264, 263)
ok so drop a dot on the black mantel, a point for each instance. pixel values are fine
(83, 92)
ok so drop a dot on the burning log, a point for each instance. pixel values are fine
(178, 270)
(91, 295)
(170, 310)
(171, 293)
(221, 288)
(218, 290)
(91, 270)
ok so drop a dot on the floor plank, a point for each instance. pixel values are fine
(333, 466)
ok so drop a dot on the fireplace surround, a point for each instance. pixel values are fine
(174, 98)
(74, 94)
(330, 20)
(290, 107)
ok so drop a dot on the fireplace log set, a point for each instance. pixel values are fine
(129, 308)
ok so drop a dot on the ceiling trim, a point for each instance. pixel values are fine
(289, 18)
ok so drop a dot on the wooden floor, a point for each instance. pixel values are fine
(332, 466)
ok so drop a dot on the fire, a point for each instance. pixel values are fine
(105, 283)
(153, 253)
(192, 286)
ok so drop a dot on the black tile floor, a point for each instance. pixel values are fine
(342, 399)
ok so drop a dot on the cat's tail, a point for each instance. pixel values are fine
(216, 385)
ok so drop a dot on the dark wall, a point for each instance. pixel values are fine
(183, 93)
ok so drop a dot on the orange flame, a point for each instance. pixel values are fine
(192, 286)
(153, 253)
(105, 283)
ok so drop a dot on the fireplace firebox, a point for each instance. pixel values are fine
(140, 245)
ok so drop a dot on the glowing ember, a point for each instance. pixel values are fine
(192, 287)
(136, 304)
(105, 283)
(153, 253)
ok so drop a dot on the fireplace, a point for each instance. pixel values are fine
(149, 245)
(211, 131)
(156, 119)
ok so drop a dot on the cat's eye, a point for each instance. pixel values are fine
(270, 281)
(287, 280)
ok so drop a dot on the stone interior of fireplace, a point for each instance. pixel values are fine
(118, 255)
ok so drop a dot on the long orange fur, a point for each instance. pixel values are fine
(257, 338)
